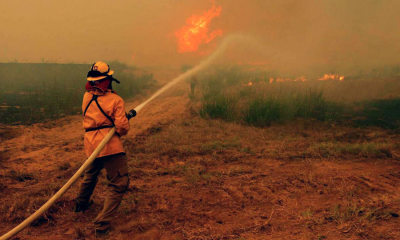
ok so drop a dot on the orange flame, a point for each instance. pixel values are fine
(196, 31)
(298, 79)
(331, 77)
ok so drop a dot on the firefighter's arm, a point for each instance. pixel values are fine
(121, 121)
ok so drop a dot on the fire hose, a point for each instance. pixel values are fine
(80, 171)
(71, 181)
(111, 133)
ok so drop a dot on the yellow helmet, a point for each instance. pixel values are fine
(98, 71)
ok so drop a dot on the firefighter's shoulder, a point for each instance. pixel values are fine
(113, 95)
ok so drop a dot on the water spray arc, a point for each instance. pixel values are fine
(212, 58)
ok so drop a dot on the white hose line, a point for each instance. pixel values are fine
(111, 133)
(202, 65)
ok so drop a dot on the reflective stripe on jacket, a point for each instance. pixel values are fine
(114, 106)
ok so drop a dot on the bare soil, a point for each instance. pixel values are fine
(195, 178)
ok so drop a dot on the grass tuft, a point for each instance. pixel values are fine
(21, 176)
(332, 149)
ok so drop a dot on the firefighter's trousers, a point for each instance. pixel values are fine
(117, 175)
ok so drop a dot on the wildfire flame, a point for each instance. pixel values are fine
(300, 79)
(196, 31)
(331, 77)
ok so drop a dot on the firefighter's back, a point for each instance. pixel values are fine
(103, 111)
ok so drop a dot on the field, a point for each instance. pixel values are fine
(35, 92)
(255, 98)
(290, 160)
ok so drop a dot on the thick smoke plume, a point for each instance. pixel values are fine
(301, 35)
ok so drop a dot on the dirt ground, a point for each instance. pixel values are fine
(194, 178)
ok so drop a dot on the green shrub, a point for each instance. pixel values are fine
(219, 105)
(383, 113)
(259, 109)
(263, 111)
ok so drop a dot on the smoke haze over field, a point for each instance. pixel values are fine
(336, 34)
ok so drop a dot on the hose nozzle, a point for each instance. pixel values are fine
(131, 114)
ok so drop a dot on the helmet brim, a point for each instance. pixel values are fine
(100, 77)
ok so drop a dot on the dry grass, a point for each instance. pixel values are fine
(301, 140)
(194, 178)
(199, 155)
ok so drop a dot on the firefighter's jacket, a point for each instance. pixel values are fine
(97, 124)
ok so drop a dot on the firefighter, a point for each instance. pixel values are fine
(193, 82)
(103, 109)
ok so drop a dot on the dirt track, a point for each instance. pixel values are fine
(199, 179)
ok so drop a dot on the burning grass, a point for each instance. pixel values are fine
(36, 92)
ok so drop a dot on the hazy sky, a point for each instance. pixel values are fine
(312, 32)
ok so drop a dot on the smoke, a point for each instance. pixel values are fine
(202, 65)
(231, 41)
(331, 35)
(298, 35)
